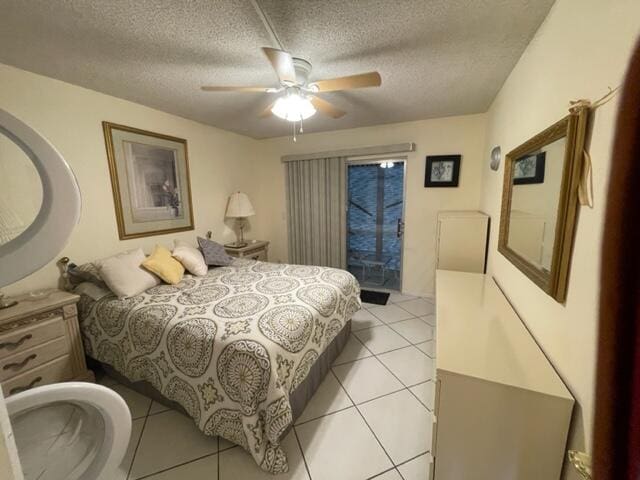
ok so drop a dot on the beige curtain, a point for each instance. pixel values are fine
(316, 212)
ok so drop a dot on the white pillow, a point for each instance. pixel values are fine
(124, 275)
(190, 257)
(98, 263)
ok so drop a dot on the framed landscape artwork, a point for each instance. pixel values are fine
(150, 181)
(442, 171)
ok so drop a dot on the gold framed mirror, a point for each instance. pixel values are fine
(540, 203)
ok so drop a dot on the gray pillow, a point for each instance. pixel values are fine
(87, 272)
(214, 253)
(91, 290)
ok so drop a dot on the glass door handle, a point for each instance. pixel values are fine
(400, 229)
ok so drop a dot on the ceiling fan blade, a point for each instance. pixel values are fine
(327, 108)
(235, 89)
(362, 80)
(282, 63)
(267, 111)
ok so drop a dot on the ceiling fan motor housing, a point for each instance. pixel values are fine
(303, 70)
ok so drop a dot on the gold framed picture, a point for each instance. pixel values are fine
(150, 181)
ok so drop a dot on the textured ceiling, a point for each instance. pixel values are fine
(436, 57)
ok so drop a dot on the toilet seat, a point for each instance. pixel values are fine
(70, 431)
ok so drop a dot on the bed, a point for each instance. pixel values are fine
(240, 350)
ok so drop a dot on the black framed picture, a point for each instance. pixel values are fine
(442, 170)
(529, 169)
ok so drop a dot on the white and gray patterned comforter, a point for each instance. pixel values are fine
(230, 346)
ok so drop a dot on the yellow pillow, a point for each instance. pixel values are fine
(164, 265)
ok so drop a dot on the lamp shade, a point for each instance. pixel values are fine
(293, 107)
(239, 206)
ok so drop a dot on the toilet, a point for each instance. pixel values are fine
(70, 431)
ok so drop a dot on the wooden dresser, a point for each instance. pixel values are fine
(501, 410)
(40, 343)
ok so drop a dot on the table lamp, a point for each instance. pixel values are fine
(239, 207)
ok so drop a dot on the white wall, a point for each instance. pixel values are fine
(581, 49)
(464, 135)
(70, 118)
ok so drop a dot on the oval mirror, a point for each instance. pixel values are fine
(20, 190)
(39, 200)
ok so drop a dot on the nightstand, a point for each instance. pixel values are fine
(40, 342)
(256, 249)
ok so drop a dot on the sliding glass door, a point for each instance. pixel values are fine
(375, 226)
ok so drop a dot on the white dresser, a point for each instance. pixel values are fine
(501, 410)
(40, 343)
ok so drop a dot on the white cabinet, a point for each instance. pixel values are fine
(501, 410)
(462, 241)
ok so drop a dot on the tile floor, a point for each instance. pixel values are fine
(370, 418)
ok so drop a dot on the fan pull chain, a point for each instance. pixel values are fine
(297, 130)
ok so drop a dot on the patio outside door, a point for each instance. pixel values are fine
(375, 222)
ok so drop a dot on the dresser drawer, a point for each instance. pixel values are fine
(436, 400)
(33, 357)
(58, 370)
(260, 255)
(250, 250)
(21, 339)
(434, 437)
(436, 411)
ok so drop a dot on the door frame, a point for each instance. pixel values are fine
(377, 160)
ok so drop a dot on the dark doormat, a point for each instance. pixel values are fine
(370, 296)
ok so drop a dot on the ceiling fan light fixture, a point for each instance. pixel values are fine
(293, 107)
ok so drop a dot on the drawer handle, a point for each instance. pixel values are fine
(26, 387)
(20, 365)
(12, 345)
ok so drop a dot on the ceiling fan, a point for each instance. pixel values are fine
(299, 100)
